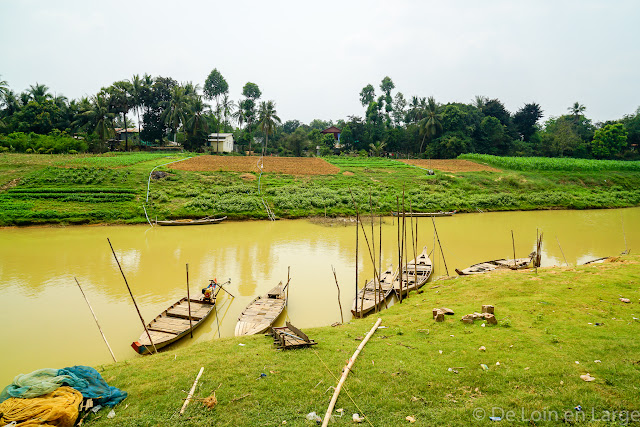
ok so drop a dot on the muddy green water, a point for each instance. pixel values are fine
(45, 322)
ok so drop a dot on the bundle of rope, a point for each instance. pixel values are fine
(58, 408)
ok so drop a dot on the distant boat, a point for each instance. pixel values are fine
(372, 293)
(173, 323)
(262, 312)
(498, 264)
(202, 221)
(424, 214)
(414, 274)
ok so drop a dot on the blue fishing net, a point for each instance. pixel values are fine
(93, 386)
(85, 379)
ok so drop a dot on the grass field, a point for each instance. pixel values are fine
(36, 189)
(554, 326)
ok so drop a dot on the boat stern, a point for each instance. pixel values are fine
(139, 348)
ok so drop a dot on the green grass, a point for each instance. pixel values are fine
(546, 323)
(184, 194)
(553, 164)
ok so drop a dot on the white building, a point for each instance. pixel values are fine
(220, 142)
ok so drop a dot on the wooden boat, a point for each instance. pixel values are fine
(372, 293)
(425, 214)
(202, 221)
(414, 274)
(173, 324)
(498, 264)
(262, 312)
(597, 260)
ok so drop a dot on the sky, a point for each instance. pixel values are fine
(313, 58)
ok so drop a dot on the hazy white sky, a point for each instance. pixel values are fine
(313, 58)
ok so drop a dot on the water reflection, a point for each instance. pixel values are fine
(55, 328)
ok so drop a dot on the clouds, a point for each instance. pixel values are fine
(313, 59)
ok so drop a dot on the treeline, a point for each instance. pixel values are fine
(167, 111)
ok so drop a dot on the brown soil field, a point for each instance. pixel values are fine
(451, 165)
(287, 165)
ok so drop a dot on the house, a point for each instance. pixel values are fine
(122, 134)
(220, 142)
(333, 131)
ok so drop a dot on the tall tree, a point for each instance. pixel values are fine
(576, 110)
(399, 112)
(137, 89)
(4, 90)
(100, 118)
(431, 124)
(196, 127)
(609, 141)
(120, 102)
(214, 87)
(367, 95)
(176, 112)
(39, 93)
(251, 91)
(268, 119)
(228, 106)
(525, 120)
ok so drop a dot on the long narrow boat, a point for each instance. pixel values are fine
(414, 274)
(173, 324)
(425, 214)
(202, 221)
(498, 264)
(262, 312)
(372, 293)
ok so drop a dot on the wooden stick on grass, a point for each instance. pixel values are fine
(345, 372)
(193, 389)
(338, 286)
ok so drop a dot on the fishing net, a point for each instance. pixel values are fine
(37, 383)
(90, 383)
(57, 408)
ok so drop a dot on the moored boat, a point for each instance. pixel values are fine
(414, 274)
(373, 294)
(425, 214)
(262, 312)
(173, 323)
(202, 221)
(497, 264)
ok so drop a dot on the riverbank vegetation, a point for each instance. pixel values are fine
(146, 111)
(554, 326)
(112, 188)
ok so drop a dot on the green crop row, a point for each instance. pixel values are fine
(365, 162)
(532, 164)
(71, 190)
(113, 159)
(82, 175)
(73, 197)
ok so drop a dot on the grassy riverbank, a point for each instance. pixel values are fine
(78, 189)
(547, 337)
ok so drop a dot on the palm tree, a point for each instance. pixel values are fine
(121, 101)
(480, 101)
(99, 117)
(196, 125)
(377, 148)
(227, 107)
(176, 112)
(4, 90)
(268, 118)
(431, 124)
(576, 110)
(39, 93)
(137, 87)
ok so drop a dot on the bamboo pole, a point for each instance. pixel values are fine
(440, 244)
(132, 298)
(193, 389)
(414, 243)
(513, 242)
(380, 258)
(535, 264)
(373, 245)
(96, 319)
(357, 234)
(189, 304)
(565, 258)
(337, 286)
(345, 372)
(399, 246)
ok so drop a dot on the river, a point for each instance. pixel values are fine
(46, 323)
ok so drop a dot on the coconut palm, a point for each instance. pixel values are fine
(431, 124)
(39, 92)
(99, 117)
(377, 148)
(196, 126)
(268, 119)
(4, 90)
(176, 112)
(137, 88)
(227, 105)
(576, 110)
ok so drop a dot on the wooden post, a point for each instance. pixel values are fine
(189, 304)
(565, 258)
(380, 259)
(399, 247)
(513, 242)
(96, 319)
(193, 389)
(337, 286)
(535, 263)
(132, 298)
(414, 239)
(440, 244)
(373, 244)
(357, 233)
(345, 372)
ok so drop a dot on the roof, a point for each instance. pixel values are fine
(331, 129)
(129, 130)
(220, 135)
